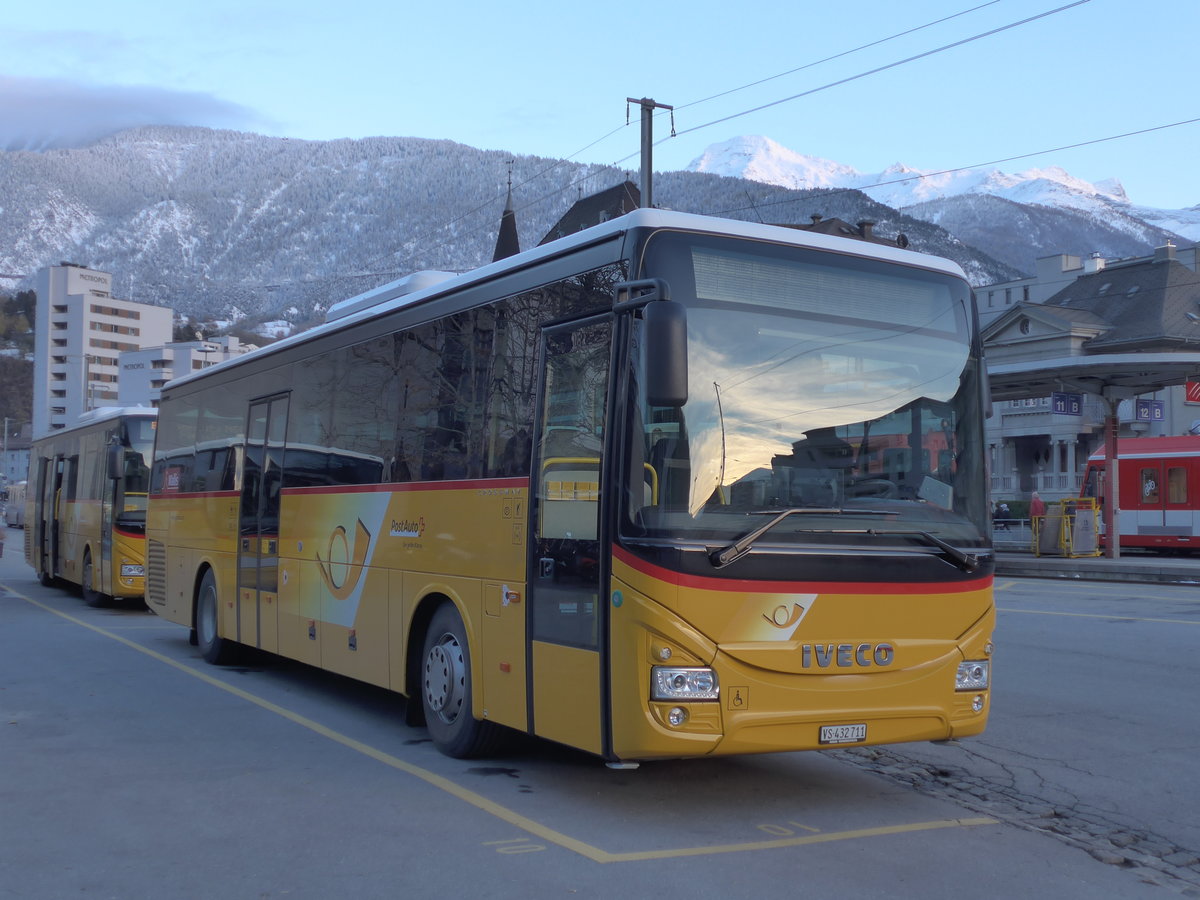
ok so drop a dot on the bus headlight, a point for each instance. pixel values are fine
(678, 683)
(131, 571)
(972, 675)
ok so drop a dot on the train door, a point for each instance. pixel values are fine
(568, 568)
(258, 538)
(1160, 506)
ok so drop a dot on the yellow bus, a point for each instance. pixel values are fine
(671, 486)
(85, 508)
(14, 505)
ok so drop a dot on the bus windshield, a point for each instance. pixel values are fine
(138, 442)
(830, 385)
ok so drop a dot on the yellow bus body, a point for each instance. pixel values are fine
(775, 694)
(348, 599)
(78, 525)
(473, 482)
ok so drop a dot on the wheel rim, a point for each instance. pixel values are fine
(206, 617)
(445, 678)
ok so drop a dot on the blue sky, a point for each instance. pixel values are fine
(551, 78)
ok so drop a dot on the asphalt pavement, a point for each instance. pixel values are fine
(1131, 566)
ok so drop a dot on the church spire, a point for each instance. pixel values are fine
(507, 242)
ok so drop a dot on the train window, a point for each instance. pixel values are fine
(1150, 486)
(1177, 484)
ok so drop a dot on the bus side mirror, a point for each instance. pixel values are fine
(666, 353)
(115, 462)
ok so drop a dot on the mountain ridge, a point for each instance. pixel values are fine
(216, 222)
(1097, 213)
(212, 222)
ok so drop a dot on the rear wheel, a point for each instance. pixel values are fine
(91, 596)
(446, 689)
(213, 647)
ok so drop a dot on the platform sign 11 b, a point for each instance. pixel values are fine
(1067, 404)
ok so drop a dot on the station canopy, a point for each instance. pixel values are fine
(1115, 375)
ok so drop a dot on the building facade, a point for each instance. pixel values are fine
(144, 372)
(1077, 308)
(14, 452)
(81, 332)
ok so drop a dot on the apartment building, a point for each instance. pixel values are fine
(144, 372)
(81, 331)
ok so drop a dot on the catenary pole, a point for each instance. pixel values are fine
(648, 107)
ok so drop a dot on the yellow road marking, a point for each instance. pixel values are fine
(1043, 612)
(830, 837)
(480, 802)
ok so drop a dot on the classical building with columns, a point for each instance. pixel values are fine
(1143, 308)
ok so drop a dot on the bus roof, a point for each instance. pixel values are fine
(99, 415)
(103, 413)
(416, 288)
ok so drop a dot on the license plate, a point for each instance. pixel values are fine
(843, 734)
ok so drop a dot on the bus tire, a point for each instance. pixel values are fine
(215, 649)
(446, 689)
(91, 596)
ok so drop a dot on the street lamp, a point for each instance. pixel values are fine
(204, 348)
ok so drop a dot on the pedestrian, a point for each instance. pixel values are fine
(1002, 516)
(1037, 506)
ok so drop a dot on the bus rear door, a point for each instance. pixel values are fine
(258, 538)
(47, 532)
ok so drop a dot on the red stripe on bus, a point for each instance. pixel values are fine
(743, 585)
(401, 487)
(192, 495)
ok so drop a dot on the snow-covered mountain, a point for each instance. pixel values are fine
(221, 224)
(1103, 212)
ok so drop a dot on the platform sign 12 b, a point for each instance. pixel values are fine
(1150, 410)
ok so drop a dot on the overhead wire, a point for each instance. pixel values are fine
(595, 169)
(617, 163)
(878, 69)
(819, 62)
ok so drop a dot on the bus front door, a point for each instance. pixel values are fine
(568, 572)
(258, 539)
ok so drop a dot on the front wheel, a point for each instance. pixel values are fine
(213, 647)
(446, 689)
(91, 596)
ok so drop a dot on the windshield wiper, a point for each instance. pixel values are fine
(742, 545)
(968, 562)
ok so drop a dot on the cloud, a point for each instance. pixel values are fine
(44, 114)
